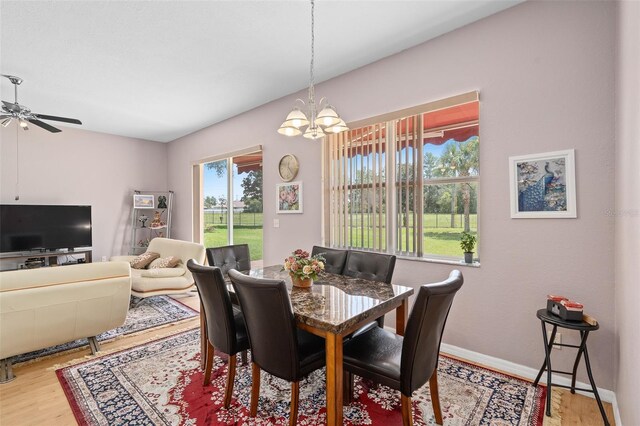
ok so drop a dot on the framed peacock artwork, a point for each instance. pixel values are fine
(543, 185)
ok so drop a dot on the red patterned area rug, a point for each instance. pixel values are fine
(160, 383)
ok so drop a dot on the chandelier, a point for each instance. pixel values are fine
(320, 123)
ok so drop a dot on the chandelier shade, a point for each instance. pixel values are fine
(327, 120)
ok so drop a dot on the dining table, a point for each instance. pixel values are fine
(334, 307)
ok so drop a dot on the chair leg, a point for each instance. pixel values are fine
(295, 396)
(407, 415)
(208, 365)
(435, 399)
(243, 356)
(255, 389)
(228, 392)
(347, 387)
(203, 337)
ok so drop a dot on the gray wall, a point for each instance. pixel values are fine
(545, 71)
(82, 167)
(627, 211)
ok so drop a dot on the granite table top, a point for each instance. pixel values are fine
(337, 303)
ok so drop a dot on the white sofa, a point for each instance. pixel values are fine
(153, 282)
(50, 306)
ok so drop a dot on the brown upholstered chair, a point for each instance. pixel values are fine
(406, 363)
(370, 266)
(334, 258)
(230, 257)
(225, 328)
(277, 345)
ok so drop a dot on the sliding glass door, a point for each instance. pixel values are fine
(232, 202)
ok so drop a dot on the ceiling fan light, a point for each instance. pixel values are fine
(288, 130)
(327, 117)
(296, 118)
(24, 125)
(314, 132)
(341, 126)
(6, 122)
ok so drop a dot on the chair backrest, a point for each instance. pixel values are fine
(230, 257)
(370, 266)
(334, 258)
(184, 250)
(271, 327)
(424, 330)
(221, 328)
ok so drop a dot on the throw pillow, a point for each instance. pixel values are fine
(165, 262)
(144, 260)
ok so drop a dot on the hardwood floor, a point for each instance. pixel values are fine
(35, 397)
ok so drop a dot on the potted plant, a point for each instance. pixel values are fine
(303, 268)
(467, 243)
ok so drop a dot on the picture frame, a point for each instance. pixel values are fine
(543, 186)
(143, 201)
(289, 197)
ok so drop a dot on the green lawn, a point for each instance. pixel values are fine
(438, 237)
(245, 235)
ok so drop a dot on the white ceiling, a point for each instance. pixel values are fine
(161, 70)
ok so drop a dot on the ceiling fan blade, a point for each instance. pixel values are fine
(43, 125)
(54, 118)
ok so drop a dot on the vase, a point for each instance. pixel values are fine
(301, 282)
(468, 257)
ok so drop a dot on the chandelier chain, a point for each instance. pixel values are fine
(311, 76)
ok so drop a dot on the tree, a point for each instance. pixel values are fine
(253, 206)
(252, 191)
(461, 159)
(219, 166)
(210, 201)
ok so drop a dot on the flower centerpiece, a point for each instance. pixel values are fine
(303, 268)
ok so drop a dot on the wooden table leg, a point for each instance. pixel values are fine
(401, 317)
(334, 379)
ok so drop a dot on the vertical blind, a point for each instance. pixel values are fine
(374, 198)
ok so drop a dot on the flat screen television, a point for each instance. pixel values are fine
(36, 227)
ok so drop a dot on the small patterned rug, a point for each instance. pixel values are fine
(143, 315)
(160, 383)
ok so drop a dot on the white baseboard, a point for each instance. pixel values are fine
(616, 411)
(527, 372)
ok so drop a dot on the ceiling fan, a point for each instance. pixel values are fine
(15, 111)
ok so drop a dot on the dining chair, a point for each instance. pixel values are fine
(277, 345)
(224, 323)
(334, 258)
(373, 267)
(406, 363)
(230, 257)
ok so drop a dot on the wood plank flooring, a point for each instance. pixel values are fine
(35, 397)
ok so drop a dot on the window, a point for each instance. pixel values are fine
(406, 182)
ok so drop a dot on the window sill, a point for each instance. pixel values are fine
(475, 264)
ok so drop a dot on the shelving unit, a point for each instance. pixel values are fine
(142, 219)
(49, 258)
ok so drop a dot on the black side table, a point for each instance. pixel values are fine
(584, 328)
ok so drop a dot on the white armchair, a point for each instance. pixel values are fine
(156, 281)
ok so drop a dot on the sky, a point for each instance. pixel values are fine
(217, 186)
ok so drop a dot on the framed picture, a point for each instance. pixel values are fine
(289, 197)
(142, 201)
(543, 185)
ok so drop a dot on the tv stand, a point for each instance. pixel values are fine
(51, 257)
